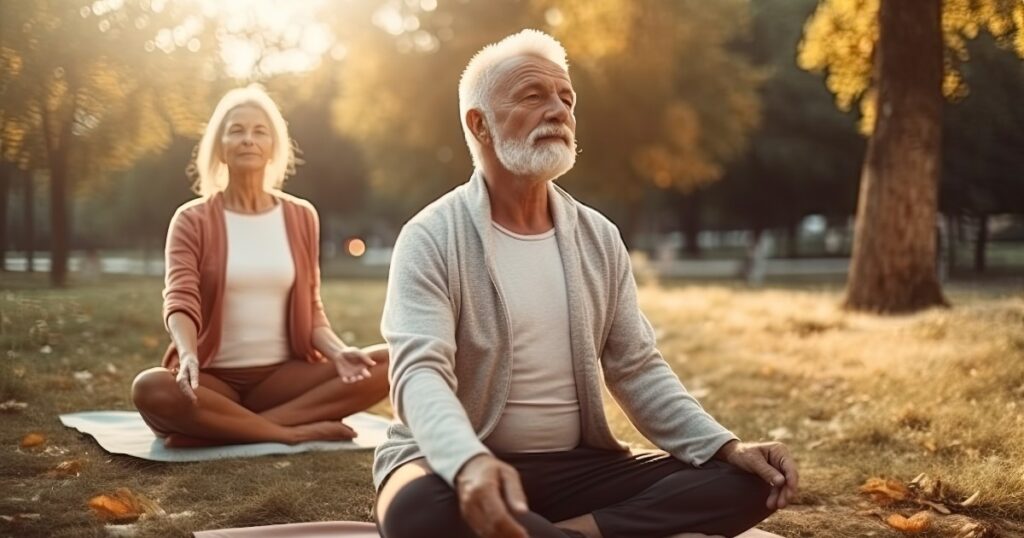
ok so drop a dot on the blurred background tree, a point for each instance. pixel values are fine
(697, 123)
(83, 96)
(898, 59)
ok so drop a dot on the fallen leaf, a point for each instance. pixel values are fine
(972, 499)
(116, 530)
(916, 523)
(282, 464)
(12, 405)
(46, 350)
(83, 376)
(17, 518)
(123, 506)
(884, 491)
(976, 529)
(781, 433)
(928, 487)
(66, 468)
(815, 444)
(938, 507)
(33, 440)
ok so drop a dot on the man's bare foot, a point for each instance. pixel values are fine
(328, 430)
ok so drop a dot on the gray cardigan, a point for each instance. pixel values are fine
(447, 327)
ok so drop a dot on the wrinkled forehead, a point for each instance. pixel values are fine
(523, 69)
(247, 114)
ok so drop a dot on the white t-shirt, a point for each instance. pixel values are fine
(259, 277)
(542, 413)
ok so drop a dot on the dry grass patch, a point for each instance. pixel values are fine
(860, 396)
(856, 396)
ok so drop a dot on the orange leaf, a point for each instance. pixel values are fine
(122, 506)
(916, 523)
(32, 440)
(884, 491)
(112, 508)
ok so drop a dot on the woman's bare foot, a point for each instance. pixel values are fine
(328, 430)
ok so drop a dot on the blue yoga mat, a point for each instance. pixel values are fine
(124, 432)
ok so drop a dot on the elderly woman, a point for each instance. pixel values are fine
(252, 355)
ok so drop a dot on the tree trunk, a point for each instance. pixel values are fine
(30, 222)
(58, 153)
(793, 240)
(59, 217)
(6, 172)
(690, 220)
(952, 223)
(893, 265)
(980, 243)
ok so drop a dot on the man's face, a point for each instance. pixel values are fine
(533, 122)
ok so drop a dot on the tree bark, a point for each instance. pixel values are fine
(980, 243)
(58, 153)
(893, 265)
(690, 220)
(793, 240)
(29, 215)
(6, 172)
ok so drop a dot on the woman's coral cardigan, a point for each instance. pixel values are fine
(196, 259)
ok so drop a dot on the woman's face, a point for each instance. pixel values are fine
(247, 141)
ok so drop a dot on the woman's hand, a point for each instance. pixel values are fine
(188, 375)
(353, 364)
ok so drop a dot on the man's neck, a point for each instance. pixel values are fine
(518, 204)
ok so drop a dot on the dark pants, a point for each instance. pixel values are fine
(630, 495)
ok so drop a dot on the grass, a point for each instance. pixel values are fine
(855, 396)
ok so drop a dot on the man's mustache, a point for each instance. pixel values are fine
(544, 131)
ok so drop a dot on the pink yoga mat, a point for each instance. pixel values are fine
(325, 529)
(345, 529)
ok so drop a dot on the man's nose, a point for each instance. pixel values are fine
(557, 110)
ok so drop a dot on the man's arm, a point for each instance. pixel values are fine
(646, 388)
(419, 326)
(661, 408)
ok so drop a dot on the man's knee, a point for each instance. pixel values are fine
(426, 506)
(741, 498)
(751, 491)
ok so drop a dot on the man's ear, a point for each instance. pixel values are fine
(478, 126)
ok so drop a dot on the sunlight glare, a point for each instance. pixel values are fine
(262, 38)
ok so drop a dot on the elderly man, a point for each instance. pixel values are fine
(507, 303)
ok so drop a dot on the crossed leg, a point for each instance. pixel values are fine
(591, 493)
(298, 402)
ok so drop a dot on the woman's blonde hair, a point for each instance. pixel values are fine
(212, 173)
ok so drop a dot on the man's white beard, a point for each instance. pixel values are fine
(548, 160)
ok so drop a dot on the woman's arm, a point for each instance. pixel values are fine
(185, 337)
(352, 363)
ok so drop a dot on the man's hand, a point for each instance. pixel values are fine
(770, 461)
(188, 375)
(352, 364)
(489, 493)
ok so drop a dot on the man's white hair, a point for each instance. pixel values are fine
(481, 74)
(212, 172)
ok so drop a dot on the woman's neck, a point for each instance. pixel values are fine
(245, 194)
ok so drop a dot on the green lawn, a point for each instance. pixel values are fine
(941, 393)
